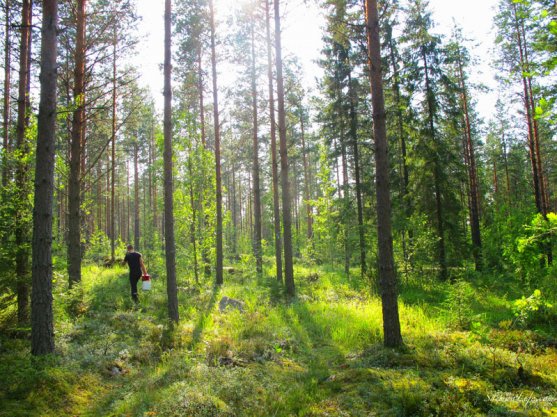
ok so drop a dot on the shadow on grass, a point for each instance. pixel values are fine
(316, 352)
(113, 293)
(202, 319)
(414, 292)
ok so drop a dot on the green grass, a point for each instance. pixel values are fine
(319, 354)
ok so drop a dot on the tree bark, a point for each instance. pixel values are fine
(357, 176)
(126, 231)
(531, 102)
(202, 217)
(201, 98)
(170, 244)
(155, 195)
(387, 275)
(22, 170)
(436, 176)
(42, 320)
(529, 118)
(285, 182)
(472, 172)
(219, 255)
(307, 196)
(7, 81)
(151, 230)
(136, 195)
(74, 187)
(403, 163)
(506, 164)
(193, 220)
(257, 248)
(113, 152)
(274, 165)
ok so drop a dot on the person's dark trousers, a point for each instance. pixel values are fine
(133, 283)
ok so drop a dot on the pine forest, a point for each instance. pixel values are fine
(216, 225)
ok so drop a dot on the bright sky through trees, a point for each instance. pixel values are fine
(302, 37)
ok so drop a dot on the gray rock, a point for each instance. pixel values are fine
(226, 302)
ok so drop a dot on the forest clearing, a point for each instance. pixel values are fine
(251, 242)
(320, 355)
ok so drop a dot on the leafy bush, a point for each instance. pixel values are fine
(99, 247)
(531, 309)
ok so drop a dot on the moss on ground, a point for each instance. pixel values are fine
(317, 355)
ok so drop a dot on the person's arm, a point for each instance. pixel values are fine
(142, 265)
(123, 262)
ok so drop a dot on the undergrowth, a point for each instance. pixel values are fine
(319, 354)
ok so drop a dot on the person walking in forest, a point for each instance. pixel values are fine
(137, 267)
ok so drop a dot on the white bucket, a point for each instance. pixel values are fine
(146, 283)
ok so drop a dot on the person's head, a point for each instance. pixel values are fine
(130, 248)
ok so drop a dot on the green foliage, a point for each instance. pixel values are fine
(325, 221)
(247, 266)
(531, 246)
(532, 309)
(195, 212)
(74, 301)
(98, 248)
(422, 246)
(540, 232)
(458, 303)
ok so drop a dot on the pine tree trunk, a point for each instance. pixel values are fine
(193, 220)
(201, 98)
(274, 165)
(22, 169)
(442, 257)
(495, 178)
(42, 320)
(536, 136)
(257, 248)
(285, 182)
(233, 209)
(219, 254)
(531, 102)
(357, 176)
(404, 165)
(472, 174)
(99, 225)
(74, 188)
(155, 195)
(529, 118)
(149, 243)
(113, 152)
(202, 217)
(107, 197)
(127, 233)
(346, 215)
(170, 245)
(136, 196)
(506, 163)
(387, 274)
(307, 197)
(7, 81)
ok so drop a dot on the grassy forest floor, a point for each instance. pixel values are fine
(319, 355)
